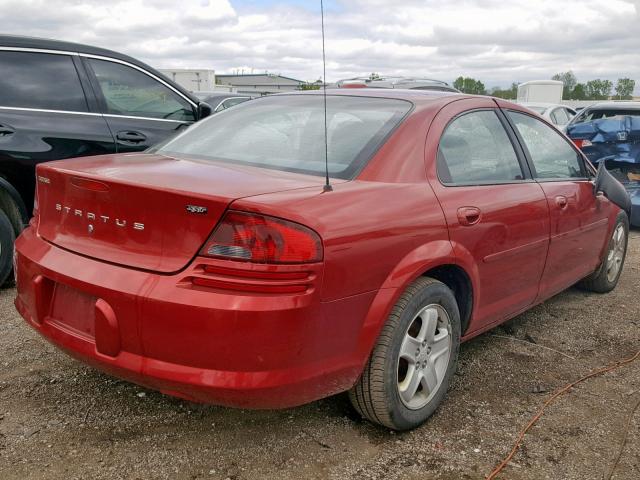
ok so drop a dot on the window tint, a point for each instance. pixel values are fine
(476, 149)
(551, 154)
(287, 133)
(128, 91)
(40, 80)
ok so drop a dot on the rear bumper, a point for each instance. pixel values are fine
(235, 348)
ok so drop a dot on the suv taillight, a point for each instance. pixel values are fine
(259, 238)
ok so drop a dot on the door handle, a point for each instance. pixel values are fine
(468, 216)
(131, 137)
(562, 202)
(6, 130)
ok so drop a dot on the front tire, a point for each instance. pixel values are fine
(606, 277)
(7, 239)
(408, 373)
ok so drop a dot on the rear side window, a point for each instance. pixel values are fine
(130, 92)
(550, 152)
(40, 80)
(288, 133)
(559, 116)
(476, 149)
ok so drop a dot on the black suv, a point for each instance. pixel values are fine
(60, 100)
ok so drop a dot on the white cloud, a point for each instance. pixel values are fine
(497, 42)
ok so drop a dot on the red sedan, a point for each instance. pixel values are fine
(217, 268)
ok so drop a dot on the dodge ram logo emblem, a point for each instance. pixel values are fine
(197, 209)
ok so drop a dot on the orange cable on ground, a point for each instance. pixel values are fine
(535, 419)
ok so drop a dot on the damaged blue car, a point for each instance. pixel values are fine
(610, 133)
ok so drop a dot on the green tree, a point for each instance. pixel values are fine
(469, 85)
(569, 80)
(625, 88)
(510, 93)
(578, 92)
(375, 76)
(598, 89)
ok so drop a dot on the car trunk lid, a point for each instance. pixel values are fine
(144, 211)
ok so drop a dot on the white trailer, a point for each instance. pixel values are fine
(194, 80)
(542, 91)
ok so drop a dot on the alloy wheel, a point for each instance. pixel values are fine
(424, 356)
(616, 253)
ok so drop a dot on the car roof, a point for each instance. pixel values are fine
(415, 96)
(621, 104)
(19, 41)
(543, 104)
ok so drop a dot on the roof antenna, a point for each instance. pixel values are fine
(327, 185)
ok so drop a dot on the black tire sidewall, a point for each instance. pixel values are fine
(7, 239)
(402, 417)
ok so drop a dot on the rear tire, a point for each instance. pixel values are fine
(408, 373)
(7, 239)
(606, 277)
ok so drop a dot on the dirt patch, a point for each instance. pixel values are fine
(62, 420)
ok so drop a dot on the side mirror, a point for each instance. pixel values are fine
(204, 110)
(606, 185)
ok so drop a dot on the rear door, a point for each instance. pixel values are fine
(579, 219)
(139, 107)
(47, 112)
(497, 214)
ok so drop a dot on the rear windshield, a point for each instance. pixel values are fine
(286, 132)
(597, 114)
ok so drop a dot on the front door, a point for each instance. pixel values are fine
(579, 219)
(497, 215)
(140, 110)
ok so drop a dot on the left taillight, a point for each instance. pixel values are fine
(257, 238)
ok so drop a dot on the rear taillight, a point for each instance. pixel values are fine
(580, 143)
(262, 239)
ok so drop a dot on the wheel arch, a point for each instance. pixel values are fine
(435, 259)
(13, 206)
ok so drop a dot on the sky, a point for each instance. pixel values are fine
(498, 42)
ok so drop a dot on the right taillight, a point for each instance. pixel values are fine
(581, 143)
(260, 238)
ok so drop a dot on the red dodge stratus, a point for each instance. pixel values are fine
(215, 267)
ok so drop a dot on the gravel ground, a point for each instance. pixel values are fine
(62, 420)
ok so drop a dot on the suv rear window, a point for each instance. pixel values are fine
(40, 80)
(286, 132)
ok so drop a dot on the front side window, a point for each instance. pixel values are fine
(551, 154)
(43, 81)
(128, 91)
(288, 133)
(476, 149)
